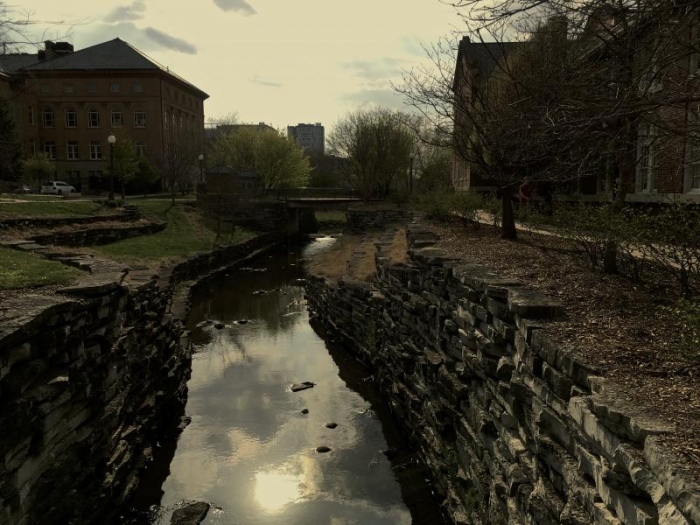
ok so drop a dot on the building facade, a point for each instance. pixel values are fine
(66, 103)
(308, 136)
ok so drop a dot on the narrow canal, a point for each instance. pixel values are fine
(251, 447)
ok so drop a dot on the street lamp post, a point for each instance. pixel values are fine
(201, 167)
(410, 178)
(111, 139)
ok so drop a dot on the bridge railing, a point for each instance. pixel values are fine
(311, 193)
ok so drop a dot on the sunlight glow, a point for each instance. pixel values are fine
(274, 490)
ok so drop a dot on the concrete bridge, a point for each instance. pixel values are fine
(299, 200)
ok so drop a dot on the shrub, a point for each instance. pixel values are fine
(671, 238)
(492, 205)
(467, 206)
(436, 204)
(589, 228)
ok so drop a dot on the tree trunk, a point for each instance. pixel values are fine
(625, 157)
(508, 230)
(123, 192)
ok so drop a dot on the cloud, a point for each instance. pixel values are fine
(133, 11)
(262, 82)
(387, 98)
(375, 72)
(240, 6)
(170, 42)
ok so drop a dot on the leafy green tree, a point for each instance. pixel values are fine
(145, 175)
(377, 144)
(9, 146)
(125, 161)
(277, 160)
(37, 168)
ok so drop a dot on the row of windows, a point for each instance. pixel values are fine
(48, 117)
(185, 100)
(91, 87)
(73, 150)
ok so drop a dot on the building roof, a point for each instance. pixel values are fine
(484, 56)
(111, 55)
(12, 62)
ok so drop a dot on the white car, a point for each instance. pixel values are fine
(57, 187)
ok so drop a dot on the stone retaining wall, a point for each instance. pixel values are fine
(204, 263)
(90, 378)
(87, 380)
(96, 236)
(129, 214)
(515, 428)
(358, 221)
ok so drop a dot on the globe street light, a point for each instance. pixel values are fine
(111, 139)
(201, 167)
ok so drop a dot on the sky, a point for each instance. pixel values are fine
(276, 61)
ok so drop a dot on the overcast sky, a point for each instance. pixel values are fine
(277, 61)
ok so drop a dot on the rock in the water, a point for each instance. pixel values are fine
(331, 425)
(305, 411)
(184, 421)
(390, 453)
(242, 321)
(191, 514)
(296, 387)
(323, 449)
(219, 326)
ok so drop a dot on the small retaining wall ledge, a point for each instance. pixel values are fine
(358, 221)
(95, 236)
(515, 428)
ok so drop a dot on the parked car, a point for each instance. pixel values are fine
(58, 187)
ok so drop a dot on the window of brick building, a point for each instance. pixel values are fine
(72, 150)
(91, 87)
(45, 88)
(32, 148)
(114, 87)
(50, 149)
(47, 117)
(140, 148)
(117, 120)
(139, 118)
(71, 118)
(31, 115)
(68, 87)
(647, 158)
(138, 87)
(93, 118)
(95, 150)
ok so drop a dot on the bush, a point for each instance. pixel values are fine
(671, 238)
(493, 205)
(467, 206)
(436, 204)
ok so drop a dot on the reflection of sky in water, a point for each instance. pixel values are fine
(249, 450)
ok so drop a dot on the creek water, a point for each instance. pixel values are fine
(250, 450)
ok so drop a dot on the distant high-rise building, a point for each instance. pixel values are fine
(308, 136)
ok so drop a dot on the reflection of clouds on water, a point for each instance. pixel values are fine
(249, 449)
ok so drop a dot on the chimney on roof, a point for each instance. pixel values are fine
(55, 50)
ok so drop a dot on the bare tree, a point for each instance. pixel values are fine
(377, 144)
(183, 145)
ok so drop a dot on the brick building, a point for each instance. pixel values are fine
(665, 139)
(476, 62)
(66, 103)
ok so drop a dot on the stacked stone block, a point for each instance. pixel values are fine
(514, 427)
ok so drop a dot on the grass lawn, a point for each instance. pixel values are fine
(36, 208)
(21, 269)
(187, 233)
